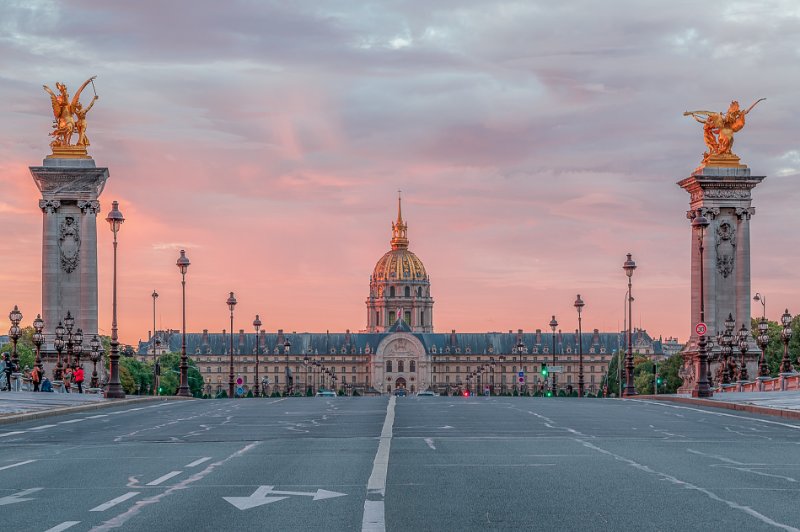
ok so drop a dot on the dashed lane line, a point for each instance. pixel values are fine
(17, 464)
(12, 433)
(199, 461)
(164, 478)
(113, 502)
(42, 427)
(63, 526)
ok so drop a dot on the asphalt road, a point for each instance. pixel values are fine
(412, 463)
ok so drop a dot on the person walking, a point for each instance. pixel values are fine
(8, 370)
(36, 378)
(79, 378)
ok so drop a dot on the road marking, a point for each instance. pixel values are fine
(66, 423)
(63, 526)
(199, 461)
(41, 427)
(12, 433)
(113, 502)
(18, 496)
(429, 442)
(261, 497)
(374, 516)
(164, 478)
(711, 495)
(120, 520)
(17, 465)
(97, 416)
(719, 413)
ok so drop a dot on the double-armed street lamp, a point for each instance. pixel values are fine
(114, 387)
(231, 302)
(257, 324)
(553, 325)
(183, 266)
(630, 387)
(579, 304)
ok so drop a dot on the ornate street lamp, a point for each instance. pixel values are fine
(630, 388)
(306, 362)
(15, 316)
(94, 344)
(183, 266)
(38, 340)
(69, 323)
(231, 302)
(257, 325)
(725, 340)
(77, 348)
(763, 342)
(763, 300)
(579, 304)
(114, 388)
(58, 345)
(286, 347)
(154, 295)
(553, 325)
(786, 335)
(701, 387)
(744, 345)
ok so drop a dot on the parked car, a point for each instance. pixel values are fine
(427, 393)
(400, 392)
(325, 393)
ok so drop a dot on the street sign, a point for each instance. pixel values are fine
(239, 391)
(521, 380)
(556, 369)
(700, 329)
(239, 381)
(521, 374)
(262, 496)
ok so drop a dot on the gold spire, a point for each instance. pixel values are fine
(399, 228)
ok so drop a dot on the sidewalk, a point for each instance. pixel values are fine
(22, 406)
(784, 404)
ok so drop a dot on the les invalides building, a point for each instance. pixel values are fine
(399, 348)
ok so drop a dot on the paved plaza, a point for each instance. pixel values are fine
(413, 463)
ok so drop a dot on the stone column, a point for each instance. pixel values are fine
(723, 195)
(70, 188)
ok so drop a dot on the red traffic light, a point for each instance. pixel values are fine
(466, 393)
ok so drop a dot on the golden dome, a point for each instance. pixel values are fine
(399, 265)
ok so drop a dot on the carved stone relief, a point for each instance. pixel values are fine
(89, 207)
(49, 206)
(69, 244)
(726, 248)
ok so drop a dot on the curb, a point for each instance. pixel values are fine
(740, 407)
(28, 416)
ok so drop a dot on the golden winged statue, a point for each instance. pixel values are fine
(718, 130)
(69, 116)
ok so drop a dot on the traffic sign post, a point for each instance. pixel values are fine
(700, 329)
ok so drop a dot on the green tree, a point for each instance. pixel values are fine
(170, 375)
(774, 350)
(139, 375)
(25, 348)
(668, 369)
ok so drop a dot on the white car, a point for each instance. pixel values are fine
(325, 393)
(427, 393)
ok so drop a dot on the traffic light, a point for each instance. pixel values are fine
(544, 370)
(466, 393)
(659, 380)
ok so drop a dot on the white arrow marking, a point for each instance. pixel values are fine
(262, 496)
(258, 498)
(18, 497)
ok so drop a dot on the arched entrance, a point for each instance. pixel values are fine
(400, 383)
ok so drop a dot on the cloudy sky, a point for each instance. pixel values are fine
(536, 143)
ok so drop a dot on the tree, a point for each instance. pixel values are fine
(774, 350)
(139, 375)
(170, 375)
(668, 370)
(25, 348)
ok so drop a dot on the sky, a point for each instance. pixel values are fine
(536, 143)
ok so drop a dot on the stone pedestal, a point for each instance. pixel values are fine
(723, 196)
(70, 188)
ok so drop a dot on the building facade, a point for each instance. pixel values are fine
(399, 349)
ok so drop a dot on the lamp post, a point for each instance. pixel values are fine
(553, 325)
(744, 345)
(725, 340)
(154, 295)
(763, 342)
(257, 325)
(114, 388)
(15, 316)
(286, 347)
(231, 302)
(763, 300)
(38, 340)
(58, 345)
(305, 364)
(786, 335)
(579, 307)
(701, 388)
(183, 266)
(69, 323)
(630, 388)
(94, 344)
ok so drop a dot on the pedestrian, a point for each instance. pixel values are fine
(67, 378)
(36, 378)
(8, 370)
(79, 378)
(46, 385)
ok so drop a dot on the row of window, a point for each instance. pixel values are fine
(488, 379)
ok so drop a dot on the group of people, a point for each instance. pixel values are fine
(36, 376)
